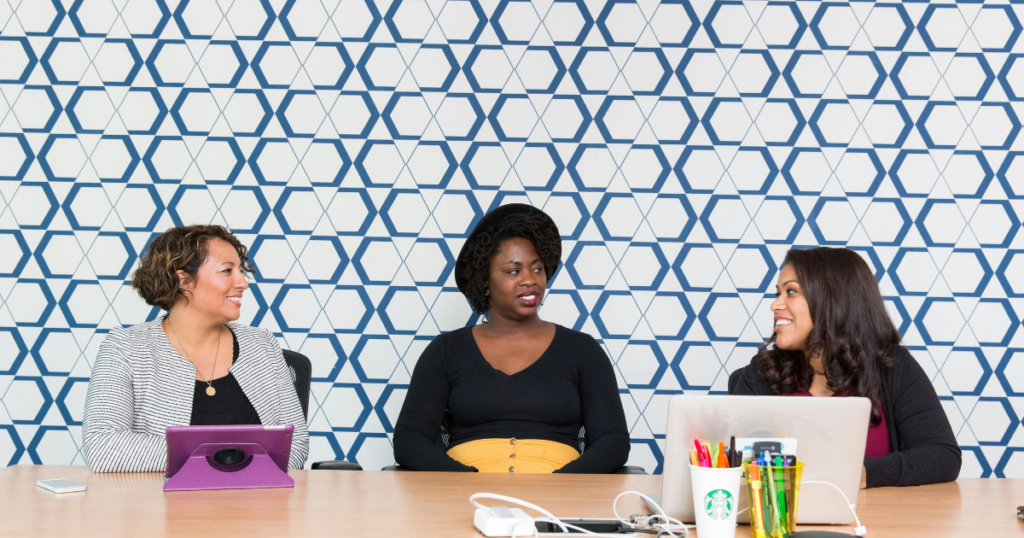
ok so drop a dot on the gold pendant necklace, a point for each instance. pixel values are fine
(210, 391)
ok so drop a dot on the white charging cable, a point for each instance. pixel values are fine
(660, 520)
(663, 522)
(861, 530)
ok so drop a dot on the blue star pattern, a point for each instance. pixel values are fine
(682, 146)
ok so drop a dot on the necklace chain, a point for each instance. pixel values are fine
(210, 391)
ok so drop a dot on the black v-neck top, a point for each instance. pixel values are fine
(571, 385)
(229, 406)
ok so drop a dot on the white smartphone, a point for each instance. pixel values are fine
(61, 485)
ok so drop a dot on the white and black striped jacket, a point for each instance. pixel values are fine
(140, 385)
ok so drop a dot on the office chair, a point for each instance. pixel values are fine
(302, 374)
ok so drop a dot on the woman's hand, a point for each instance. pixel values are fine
(863, 477)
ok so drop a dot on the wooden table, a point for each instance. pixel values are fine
(426, 504)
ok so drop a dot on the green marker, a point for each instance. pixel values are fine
(779, 478)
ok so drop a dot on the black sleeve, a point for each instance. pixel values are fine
(928, 451)
(417, 432)
(607, 440)
(747, 382)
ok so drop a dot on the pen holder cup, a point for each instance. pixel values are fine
(774, 493)
(716, 494)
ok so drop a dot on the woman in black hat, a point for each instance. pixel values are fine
(512, 394)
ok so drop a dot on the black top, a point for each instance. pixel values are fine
(924, 450)
(570, 386)
(229, 406)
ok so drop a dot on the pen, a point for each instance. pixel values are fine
(707, 454)
(700, 453)
(734, 460)
(693, 458)
(790, 492)
(794, 488)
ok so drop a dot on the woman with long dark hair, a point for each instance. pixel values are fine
(833, 337)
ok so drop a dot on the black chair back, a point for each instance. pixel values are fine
(302, 373)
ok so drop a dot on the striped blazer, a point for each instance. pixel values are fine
(140, 385)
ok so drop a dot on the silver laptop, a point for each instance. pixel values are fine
(830, 434)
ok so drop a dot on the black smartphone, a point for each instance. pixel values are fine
(600, 526)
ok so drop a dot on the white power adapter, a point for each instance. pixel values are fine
(503, 521)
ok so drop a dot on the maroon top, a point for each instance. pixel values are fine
(878, 436)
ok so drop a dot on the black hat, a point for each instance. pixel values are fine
(490, 220)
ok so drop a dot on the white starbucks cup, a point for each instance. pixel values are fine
(716, 498)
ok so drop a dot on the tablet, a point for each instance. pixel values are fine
(182, 441)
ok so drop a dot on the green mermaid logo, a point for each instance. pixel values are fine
(719, 504)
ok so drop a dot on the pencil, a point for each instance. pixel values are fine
(765, 507)
(773, 498)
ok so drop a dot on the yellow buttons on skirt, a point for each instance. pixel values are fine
(530, 455)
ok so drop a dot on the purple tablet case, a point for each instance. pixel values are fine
(191, 464)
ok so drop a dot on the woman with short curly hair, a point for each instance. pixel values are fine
(188, 367)
(833, 337)
(512, 394)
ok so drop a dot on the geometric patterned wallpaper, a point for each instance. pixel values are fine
(682, 146)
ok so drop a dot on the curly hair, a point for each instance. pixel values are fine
(476, 255)
(852, 330)
(183, 248)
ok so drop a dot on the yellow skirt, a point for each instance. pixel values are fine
(514, 455)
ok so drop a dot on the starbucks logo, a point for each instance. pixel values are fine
(719, 504)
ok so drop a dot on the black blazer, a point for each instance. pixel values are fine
(924, 450)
